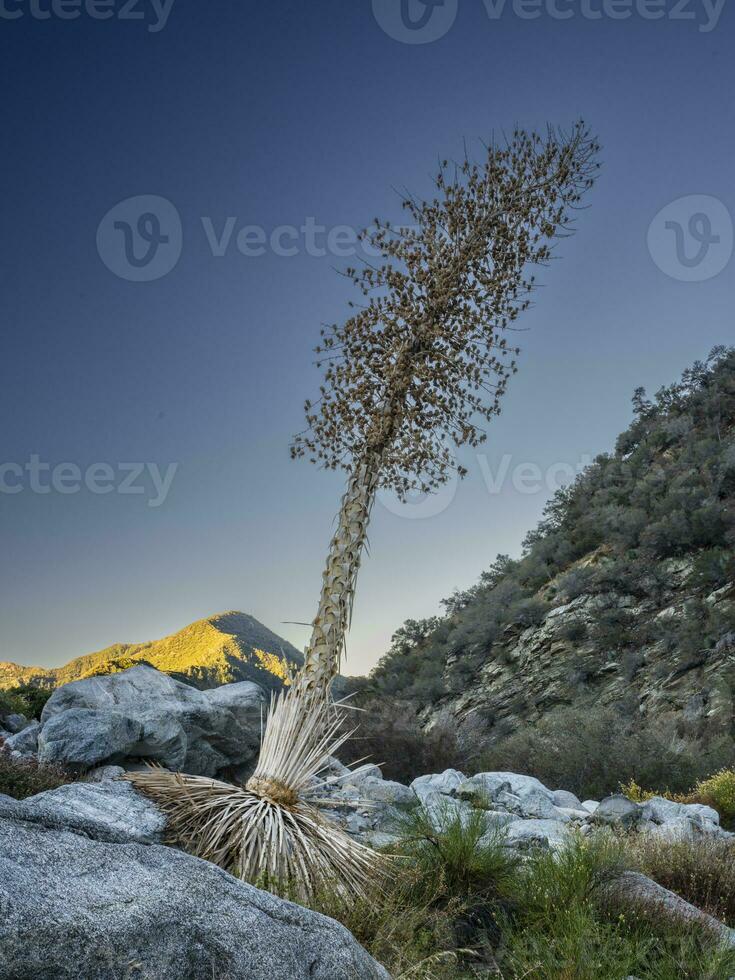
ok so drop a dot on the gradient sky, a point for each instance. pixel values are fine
(273, 114)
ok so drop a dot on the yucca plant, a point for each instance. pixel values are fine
(420, 366)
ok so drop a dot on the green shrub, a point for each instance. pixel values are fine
(718, 791)
(553, 881)
(430, 919)
(20, 778)
(563, 931)
(468, 862)
(24, 699)
(459, 906)
(11, 704)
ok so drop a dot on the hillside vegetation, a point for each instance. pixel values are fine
(622, 601)
(231, 646)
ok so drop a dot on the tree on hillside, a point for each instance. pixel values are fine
(418, 368)
(667, 491)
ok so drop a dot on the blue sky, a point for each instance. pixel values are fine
(296, 122)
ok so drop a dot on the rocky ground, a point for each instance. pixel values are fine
(88, 889)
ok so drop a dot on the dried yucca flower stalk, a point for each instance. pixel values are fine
(422, 362)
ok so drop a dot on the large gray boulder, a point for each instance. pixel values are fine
(632, 890)
(542, 834)
(487, 787)
(674, 821)
(72, 908)
(142, 713)
(107, 811)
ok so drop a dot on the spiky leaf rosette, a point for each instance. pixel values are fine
(271, 833)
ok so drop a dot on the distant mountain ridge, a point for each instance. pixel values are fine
(221, 649)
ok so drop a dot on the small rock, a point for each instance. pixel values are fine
(533, 806)
(569, 814)
(102, 773)
(25, 743)
(618, 811)
(385, 791)
(443, 810)
(488, 785)
(565, 800)
(15, 723)
(547, 834)
(661, 810)
(378, 840)
(445, 782)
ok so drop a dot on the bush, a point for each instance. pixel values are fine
(718, 792)
(444, 896)
(460, 855)
(460, 906)
(390, 735)
(700, 870)
(592, 753)
(562, 928)
(25, 699)
(11, 704)
(20, 778)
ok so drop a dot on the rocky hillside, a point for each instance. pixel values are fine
(231, 646)
(624, 596)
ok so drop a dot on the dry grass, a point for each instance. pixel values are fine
(21, 778)
(701, 870)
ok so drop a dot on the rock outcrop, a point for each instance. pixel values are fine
(533, 671)
(525, 812)
(76, 908)
(109, 810)
(142, 714)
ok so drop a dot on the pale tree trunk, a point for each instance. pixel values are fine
(302, 719)
(323, 655)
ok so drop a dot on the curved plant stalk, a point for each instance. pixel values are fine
(331, 623)
(423, 357)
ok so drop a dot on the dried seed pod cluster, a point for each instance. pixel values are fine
(425, 358)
